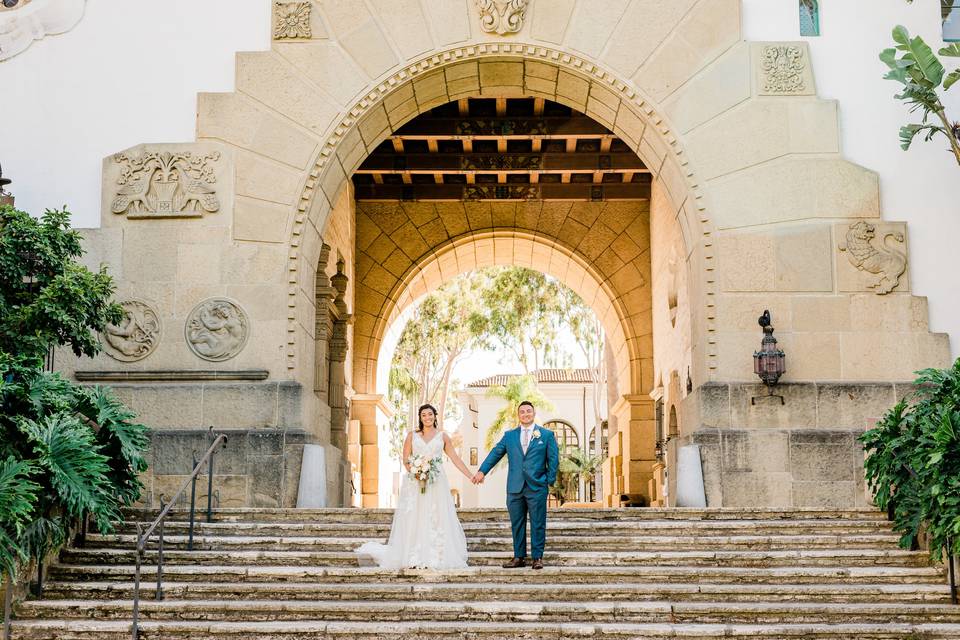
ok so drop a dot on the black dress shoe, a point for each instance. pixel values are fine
(537, 563)
(513, 564)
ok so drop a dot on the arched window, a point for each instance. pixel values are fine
(950, 10)
(565, 432)
(600, 450)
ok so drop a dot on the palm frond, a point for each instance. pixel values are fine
(67, 450)
(18, 495)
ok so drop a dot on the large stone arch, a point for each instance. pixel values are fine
(757, 203)
(510, 70)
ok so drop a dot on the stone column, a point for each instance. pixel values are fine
(338, 356)
(635, 445)
(370, 410)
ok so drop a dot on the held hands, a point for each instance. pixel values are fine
(477, 478)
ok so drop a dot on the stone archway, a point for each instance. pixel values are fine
(759, 202)
(621, 303)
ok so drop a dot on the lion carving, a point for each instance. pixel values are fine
(885, 261)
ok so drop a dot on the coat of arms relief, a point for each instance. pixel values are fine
(166, 184)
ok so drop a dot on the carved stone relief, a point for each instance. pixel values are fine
(291, 20)
(162, 184)
(501, 16)
(879, 254)
(24, 21)
(784, 69)
(137, 335)
(217, 329)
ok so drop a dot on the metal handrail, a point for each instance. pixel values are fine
(143, 537)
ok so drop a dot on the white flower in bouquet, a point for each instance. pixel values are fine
(424, 470)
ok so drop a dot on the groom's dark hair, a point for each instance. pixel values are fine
(526, 403)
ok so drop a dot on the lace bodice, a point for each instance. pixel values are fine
(430, 448)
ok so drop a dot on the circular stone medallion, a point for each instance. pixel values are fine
(137, 335)
(217, 329)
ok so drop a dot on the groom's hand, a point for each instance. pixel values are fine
(477, 477)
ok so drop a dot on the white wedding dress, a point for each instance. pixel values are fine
(426, 532)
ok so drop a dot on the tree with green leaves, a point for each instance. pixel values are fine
(588, 332)
(66, 451)
(518, 389)
(913, 64)
(913, 461)
(577, 468)
(522, 312)
(441, 330)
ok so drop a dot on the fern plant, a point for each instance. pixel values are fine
(913, 461)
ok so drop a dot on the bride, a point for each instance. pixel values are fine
(426, 532)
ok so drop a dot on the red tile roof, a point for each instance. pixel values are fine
(544, 376)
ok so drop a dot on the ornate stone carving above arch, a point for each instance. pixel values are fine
(31, 20)
(501, 16)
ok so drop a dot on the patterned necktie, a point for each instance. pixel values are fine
(526, 440)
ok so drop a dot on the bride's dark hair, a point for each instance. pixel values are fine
(420, 410)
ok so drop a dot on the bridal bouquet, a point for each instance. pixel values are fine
(424, 470)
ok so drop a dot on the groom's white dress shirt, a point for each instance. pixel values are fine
(525, 437)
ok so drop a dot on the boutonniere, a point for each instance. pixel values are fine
(536, 433)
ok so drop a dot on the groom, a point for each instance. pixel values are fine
(532, 461)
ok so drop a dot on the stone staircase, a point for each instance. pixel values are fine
(636, 573)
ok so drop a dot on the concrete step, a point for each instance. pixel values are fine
(302, 629)
(550, 574)
(779, 558)
(554, 542)
(372, 516)
(554, 527)
(428, 589)
(552, 611)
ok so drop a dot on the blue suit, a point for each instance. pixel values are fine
(528, 483)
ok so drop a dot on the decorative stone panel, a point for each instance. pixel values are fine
(501, 16)
(168, 181)
(137, 335)
(783, 69)
(872, 256)
(291, 20)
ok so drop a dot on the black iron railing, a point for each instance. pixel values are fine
(143, 537)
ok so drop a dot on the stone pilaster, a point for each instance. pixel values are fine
(632, 449)
(370, 410)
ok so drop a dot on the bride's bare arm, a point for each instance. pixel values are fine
(407, 451)
(452, 454)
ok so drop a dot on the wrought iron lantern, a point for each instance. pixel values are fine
(770, 362)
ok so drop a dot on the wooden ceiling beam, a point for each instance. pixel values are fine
(512, 191)
(513, 162)
(494, 127)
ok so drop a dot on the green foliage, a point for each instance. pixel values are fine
(913, 64)
(576, 466)
(17, 497)
(517, 389)
(522, 311)
(45, 296)
(913, 461)
(68, 451)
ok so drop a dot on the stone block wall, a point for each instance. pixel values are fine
(757, 452)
